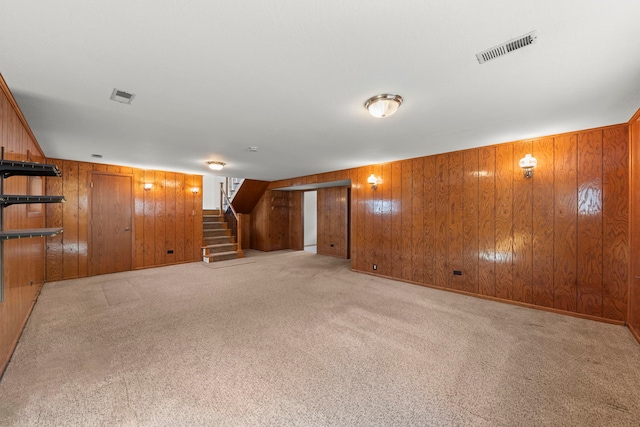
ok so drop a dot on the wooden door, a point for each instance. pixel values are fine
(111, 223)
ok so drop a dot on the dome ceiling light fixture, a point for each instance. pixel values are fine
(216, 166)
(383, 105)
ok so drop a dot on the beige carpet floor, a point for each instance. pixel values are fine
(294, 338)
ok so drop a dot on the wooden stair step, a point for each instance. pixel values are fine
(213, 224)
(221, 256)
(216, 240)
(219, 248)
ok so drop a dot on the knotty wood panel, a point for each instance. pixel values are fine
(170, 225)
(182, 194)
(486, 221)
(543, 221)
(470, 227)
(504, 221)
(159, 195)
(522, 257)
(615, 213)
(139, 217)
(590, 223)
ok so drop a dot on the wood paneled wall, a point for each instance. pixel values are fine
(558, 241)
(23, 258)
(634, 289)
(270, 221)
(166, 218)
(333, 222)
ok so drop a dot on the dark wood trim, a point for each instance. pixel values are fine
(5, 89)
(635, 117)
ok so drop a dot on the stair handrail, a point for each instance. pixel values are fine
(234, 219)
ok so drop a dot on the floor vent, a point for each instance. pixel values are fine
(122, 96)
(507, 47)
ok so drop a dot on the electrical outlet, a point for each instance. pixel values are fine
(170, 251)
(375, 266)
(457, 272)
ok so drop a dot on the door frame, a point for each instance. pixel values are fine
(90, 219)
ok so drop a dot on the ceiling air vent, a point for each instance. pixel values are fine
(122, 96)
(507, 47)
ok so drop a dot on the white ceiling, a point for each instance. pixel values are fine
(212, 78)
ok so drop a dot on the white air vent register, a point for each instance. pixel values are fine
(507, 47)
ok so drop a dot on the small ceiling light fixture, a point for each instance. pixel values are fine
(216, 166)
(527, 163)
(373, 181)
(147, 186)
(195, 190)
(383, 105)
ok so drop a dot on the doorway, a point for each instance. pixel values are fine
(310, 217)
(110, 223)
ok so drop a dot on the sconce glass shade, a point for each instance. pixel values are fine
(195, 190)
(373, 181)
(216, 166)
(383, 105)
(527, 163)
(147, 186)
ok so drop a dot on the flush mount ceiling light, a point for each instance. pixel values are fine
(216, 166)
(383, 105)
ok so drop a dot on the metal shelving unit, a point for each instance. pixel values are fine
(9, 168)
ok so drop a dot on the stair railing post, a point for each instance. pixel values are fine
(221, 197)
(239, 232)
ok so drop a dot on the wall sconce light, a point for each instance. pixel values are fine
(216, 166)
(373, 181)
(195, 190)
(147, 186)
(527, 163)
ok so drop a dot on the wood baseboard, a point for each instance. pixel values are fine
(490, 298)
(636, 334)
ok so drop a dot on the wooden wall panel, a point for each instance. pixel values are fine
(470, 226)
(558, 241)
(24, 260)
(332, 221)
(385, 262)
(417, 221)
(615, 212)
(296, 221)
(152, 211)
(440, 246)
(405, 214)
(428, 219)
(455, 218)
(565, 252)
(543, 221)
(486, 221)
(590, 223)
(634, 286)
(522, 257)
(504, 221)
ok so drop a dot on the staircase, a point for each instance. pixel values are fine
(219, 245)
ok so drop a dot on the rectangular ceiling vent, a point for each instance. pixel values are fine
(122, 96)
(507, 47)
